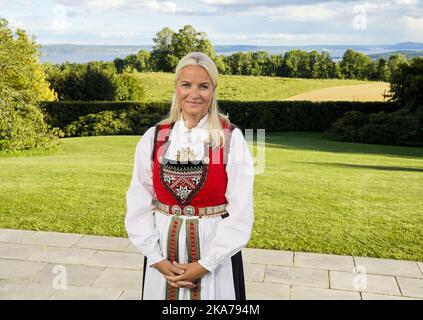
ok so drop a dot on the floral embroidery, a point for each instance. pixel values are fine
(167, 178)
(183, 181)
(182, 192)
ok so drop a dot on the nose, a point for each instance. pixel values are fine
(194, 93)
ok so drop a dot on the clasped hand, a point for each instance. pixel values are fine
(181, 275)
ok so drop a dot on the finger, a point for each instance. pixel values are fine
(172, 278)
(169, 273)
(173, 284)
(177, 270)
(176, 278)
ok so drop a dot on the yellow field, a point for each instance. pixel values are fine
(159, 86)
(361, 92)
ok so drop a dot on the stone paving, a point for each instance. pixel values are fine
(33, 264)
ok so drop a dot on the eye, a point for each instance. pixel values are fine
(185, 84)
(205, 86)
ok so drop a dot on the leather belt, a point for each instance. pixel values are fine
(191, 211)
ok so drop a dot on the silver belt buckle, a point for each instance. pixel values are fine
(176, 210)
(189, 211)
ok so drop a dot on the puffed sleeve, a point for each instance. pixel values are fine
(139, 220)
(234, 232)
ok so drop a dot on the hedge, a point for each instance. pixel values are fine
(269, 115)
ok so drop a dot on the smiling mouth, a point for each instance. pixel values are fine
(193, 102)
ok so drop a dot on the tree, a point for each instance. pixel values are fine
(407, 84)
(22, 87)
(162, 50)
(19, 65)
(221, 65)
(325, 68)
(144, 60)
(296, 64)
(274, 66)
(260, 60)
(355, 65)
(382, 70)
(170, 47)
(119, 64)
(393, 64)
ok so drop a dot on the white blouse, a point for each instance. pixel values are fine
(231, 233)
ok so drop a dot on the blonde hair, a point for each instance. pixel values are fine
(215, 130)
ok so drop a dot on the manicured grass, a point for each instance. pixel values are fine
(315, 195)
(159, 86)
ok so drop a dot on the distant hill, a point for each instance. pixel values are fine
(406, 46)
(59, 53)
(409, 54)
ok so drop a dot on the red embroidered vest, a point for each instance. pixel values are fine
(199, 184)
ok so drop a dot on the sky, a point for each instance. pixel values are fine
(234, 22)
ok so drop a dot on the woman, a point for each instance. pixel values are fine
(190, 202)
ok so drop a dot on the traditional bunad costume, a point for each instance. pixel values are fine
(190, 202)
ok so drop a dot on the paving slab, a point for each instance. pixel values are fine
(52, 239)
(364, 282)
(86, 293)
(391, 267)
(112, 259)
(297, 276)
(121, 279)
(309, 293)
(131, 248)
(16, 269)
(18, 250)
(254, 272)
(75, 275)
(323, 261)
(266, 291)
(16, 290)
(102, 243)
(272, 257)
(15, 236)
(375, 296)
(131, 294)
(62, 255)
(411, 287)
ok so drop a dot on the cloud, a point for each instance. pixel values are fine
(97, 6)
(414, 25)
(60, 21)
(299, 13)
(406, 2)
(94, 5)
(264, 2)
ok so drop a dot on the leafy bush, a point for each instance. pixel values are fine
(140, 122)
(93, 81)
(22, 124)
(348, 126)
(103, 123)
(396, 128)
(128, 88)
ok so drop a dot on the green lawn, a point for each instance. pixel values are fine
(159, 86)
(316, 195)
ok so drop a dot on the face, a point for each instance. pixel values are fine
(194, 91)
